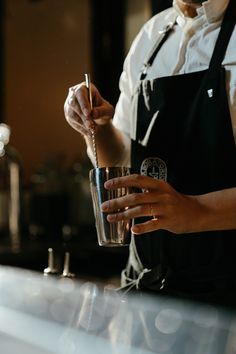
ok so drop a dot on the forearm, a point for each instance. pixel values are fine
(110, 145)
(218, 210)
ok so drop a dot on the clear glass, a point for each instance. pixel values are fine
(109, 234)
(10, 198)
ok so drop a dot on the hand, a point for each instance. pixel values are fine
(174, 211)
(78, 112)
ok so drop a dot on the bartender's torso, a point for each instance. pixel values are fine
(189, 48)
(195, 259)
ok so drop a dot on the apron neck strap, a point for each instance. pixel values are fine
(221, 45)
(164, 33)
(226, 30)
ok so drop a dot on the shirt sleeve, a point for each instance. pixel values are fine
(128, 80)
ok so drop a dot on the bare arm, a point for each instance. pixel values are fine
(220, 209)
(109, 144)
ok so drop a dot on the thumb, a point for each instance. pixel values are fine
(104, 111)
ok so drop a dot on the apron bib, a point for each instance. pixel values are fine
(184, 126)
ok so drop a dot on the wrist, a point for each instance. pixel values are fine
(217, 210)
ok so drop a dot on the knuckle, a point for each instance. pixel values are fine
(140, 209)
(137, 177)
(126, 213)
(77, 87)
(80, 93)
(169, 209)
(115, 217)
(167, 198)
(162, 183)
(72, 90)
(147, 209)
(110, 204)
(133, 198)
(113, 182)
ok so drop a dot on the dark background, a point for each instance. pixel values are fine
(107, 34)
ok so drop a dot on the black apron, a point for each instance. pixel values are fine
(192, 134)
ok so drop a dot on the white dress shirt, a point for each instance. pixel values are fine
(188, 49)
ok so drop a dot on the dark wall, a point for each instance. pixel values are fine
(160, 5)
(108, 41)
(2, 60)
(107, 45)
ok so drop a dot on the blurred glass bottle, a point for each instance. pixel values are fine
(10, 193)
(48, 206)
(80, 209)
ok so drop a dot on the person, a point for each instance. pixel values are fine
(175, 125)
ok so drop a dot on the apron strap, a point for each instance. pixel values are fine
(164, 34)
(221, 45)
(226, 30)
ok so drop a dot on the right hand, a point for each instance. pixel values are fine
(78, 112)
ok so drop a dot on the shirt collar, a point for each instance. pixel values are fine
(213, 9)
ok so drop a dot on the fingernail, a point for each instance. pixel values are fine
(107, 184)
(104, 206)
(111, 218)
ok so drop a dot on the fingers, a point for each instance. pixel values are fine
(159, 201)
(151, 225)
(104, 111)
(73, 102)
(134, 212)
(152, 202)
(130, 200)
(79, 127)
(82, 99)
(135, 181)
(167, 208)
(136, 205)
(74, 114)
(139, 211)
(78, 111)
(144, 210)
(148, 226)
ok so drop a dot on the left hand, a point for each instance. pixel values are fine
(168, 209)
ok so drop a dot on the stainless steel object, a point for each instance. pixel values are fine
(51, 269)
(88, 85)
(10, 193)
(109, 234)
(66, 270)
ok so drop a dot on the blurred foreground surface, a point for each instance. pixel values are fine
(43, 315)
